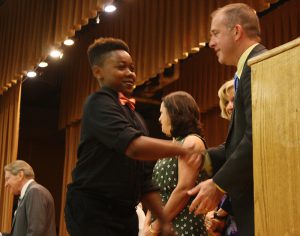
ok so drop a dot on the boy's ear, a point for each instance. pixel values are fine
(97, 71)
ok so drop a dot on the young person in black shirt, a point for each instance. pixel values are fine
(109, 178)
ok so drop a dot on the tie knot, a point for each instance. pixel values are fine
(130, 102)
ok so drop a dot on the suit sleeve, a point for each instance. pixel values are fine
(38, 212)
(236, 174)
(217, 157)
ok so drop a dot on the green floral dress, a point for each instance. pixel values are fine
(165, 176)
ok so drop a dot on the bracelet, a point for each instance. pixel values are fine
(152, 230)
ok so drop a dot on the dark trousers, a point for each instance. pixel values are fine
(243, 209)
(85, 216)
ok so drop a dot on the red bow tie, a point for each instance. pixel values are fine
(130, 102)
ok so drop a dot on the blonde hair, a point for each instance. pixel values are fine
(19, 165)
(223, 96)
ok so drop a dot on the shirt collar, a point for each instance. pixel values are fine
(23, 191)
(243, 59)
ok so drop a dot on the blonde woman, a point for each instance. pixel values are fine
(219, 222)
(226, 96)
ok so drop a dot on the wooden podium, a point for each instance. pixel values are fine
(276, 140)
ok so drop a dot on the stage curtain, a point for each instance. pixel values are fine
(9, 137)
(158, 33)
(161, 32)
(72, 142)
(26, 28)
(282, 25)
(29, 29)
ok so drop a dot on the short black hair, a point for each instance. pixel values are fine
(97, 51)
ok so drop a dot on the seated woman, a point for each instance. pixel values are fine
(220, 222)
(180, 119)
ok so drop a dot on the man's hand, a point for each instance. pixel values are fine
(207, 199)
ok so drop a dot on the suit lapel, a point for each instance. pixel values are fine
(258, 49)
(19, 204)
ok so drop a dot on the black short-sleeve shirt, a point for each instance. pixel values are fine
(102, 168)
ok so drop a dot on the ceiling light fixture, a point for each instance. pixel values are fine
(55, 53)
(31, 74)
(110, 8)
(69, 42)
(43, 64)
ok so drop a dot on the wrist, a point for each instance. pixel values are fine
(153, 229)
(156, 225)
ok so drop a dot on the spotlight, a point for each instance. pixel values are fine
(31, 74)
(43, 64)
(69, 42)
(55, 53)
(110, 8)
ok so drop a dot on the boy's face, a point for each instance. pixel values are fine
(116, 72)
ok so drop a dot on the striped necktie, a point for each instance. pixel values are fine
(236, 82)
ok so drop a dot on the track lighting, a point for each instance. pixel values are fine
(69, 42)
(31, 74)
(110, 8)
(43, 64)
(55, 53)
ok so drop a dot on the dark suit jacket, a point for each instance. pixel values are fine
(232, 162)
(35, 214)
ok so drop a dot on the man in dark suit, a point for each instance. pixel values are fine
(235, 37)
(35, 214)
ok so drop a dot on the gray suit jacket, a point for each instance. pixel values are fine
(35, 214)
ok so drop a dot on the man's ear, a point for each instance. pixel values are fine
(238, 31)
(97, 72)
(21, 174)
